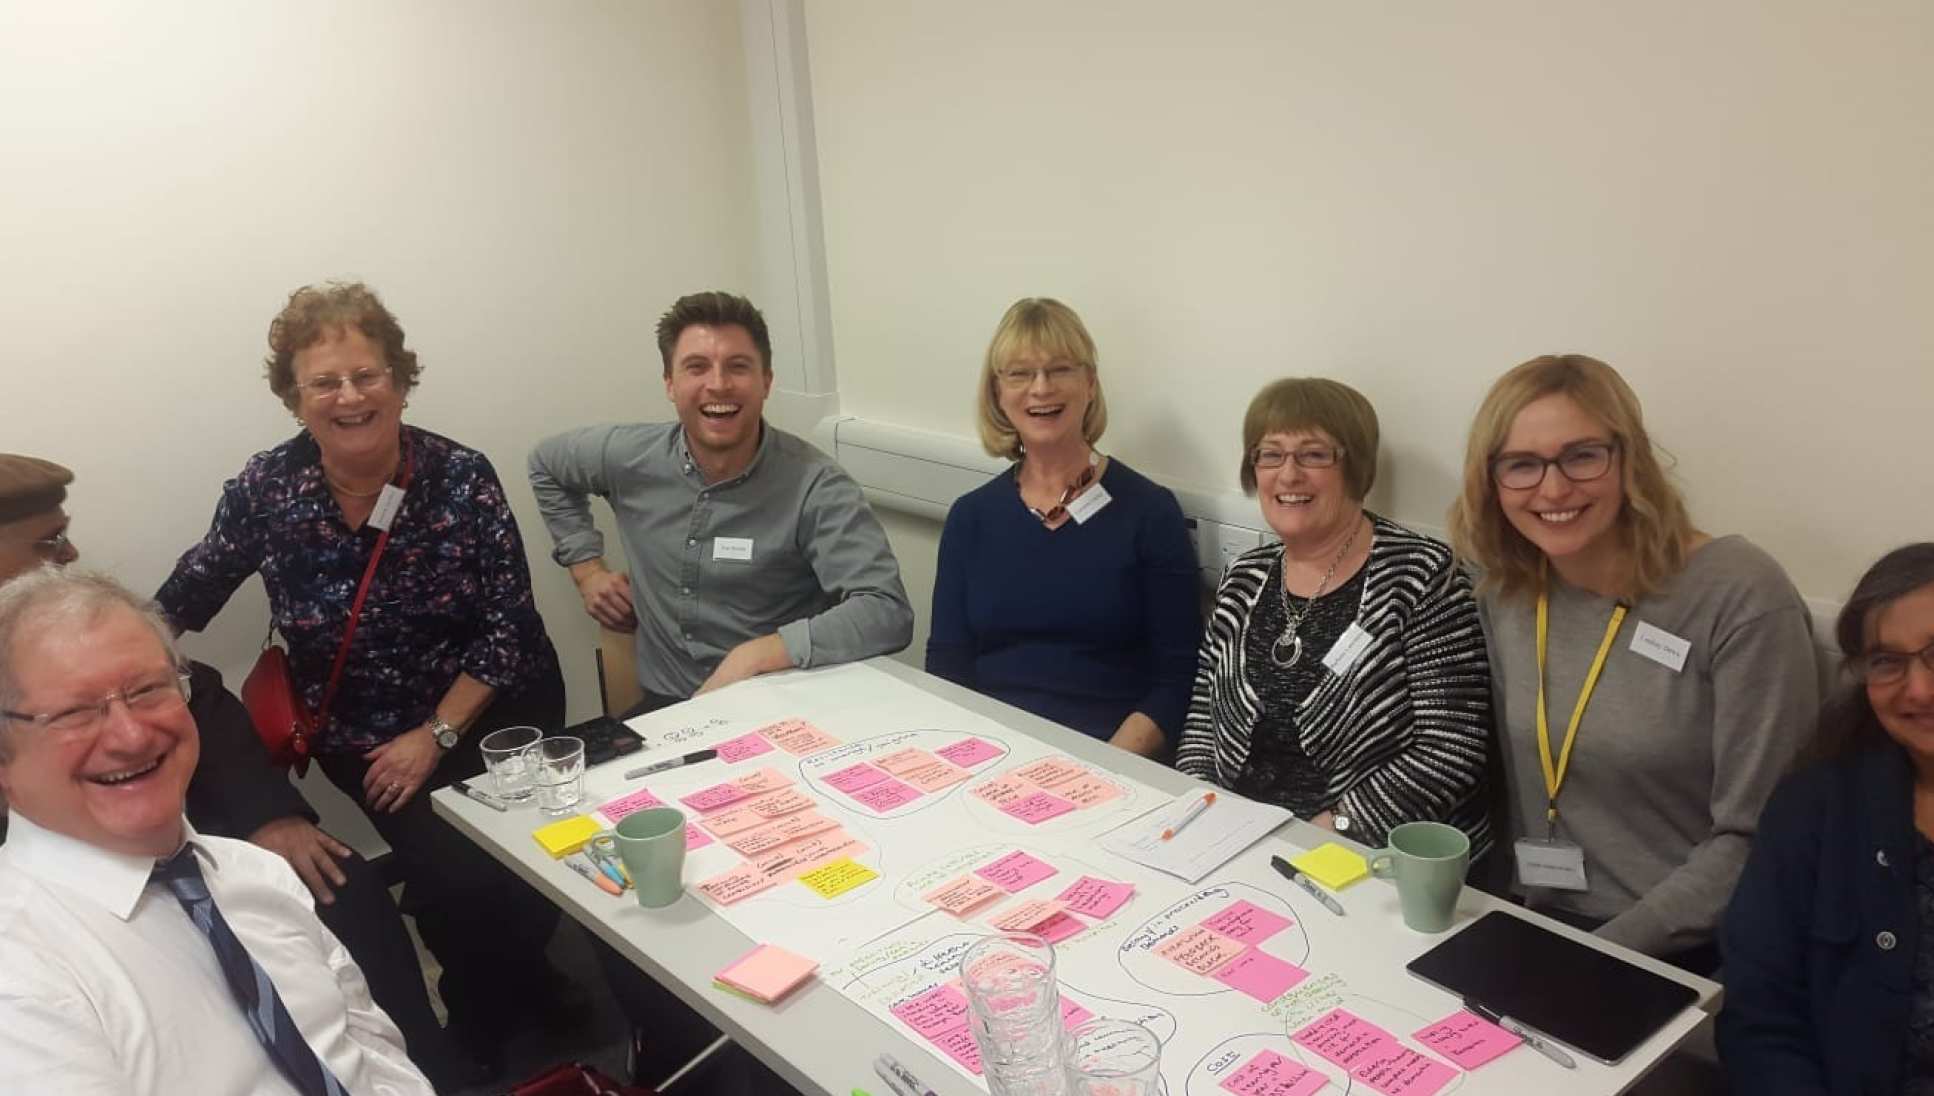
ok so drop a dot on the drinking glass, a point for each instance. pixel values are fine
(1015, 1012)
(560, 774)
(1114, 1058)
(509, 755)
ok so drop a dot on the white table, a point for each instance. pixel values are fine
(823, 1042)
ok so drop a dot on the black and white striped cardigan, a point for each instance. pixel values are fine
(1403, 732)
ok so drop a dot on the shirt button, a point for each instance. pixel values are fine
(691, 544)
(688, 635)
(686, 590)
(1880, 857)
(1885, 941)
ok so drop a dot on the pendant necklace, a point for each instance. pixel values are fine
(1288, 648)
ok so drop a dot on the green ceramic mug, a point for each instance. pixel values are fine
(652, 845)
(1428, 861)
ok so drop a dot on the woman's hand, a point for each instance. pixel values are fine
(398, 768)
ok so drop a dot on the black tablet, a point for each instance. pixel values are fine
(1597, 1004)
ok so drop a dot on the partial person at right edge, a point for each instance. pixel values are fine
(1652, 681)
(1066, 586)
(749, 552)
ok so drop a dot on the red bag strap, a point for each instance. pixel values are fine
(356, 608)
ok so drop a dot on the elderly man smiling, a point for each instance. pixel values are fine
(135, 954)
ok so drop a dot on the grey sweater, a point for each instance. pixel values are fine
(1670, 769)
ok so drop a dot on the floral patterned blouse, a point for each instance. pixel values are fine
(451, 595)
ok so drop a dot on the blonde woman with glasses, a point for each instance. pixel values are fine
(1066, 585)
(1652, 681)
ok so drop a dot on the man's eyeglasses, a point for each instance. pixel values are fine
(1890, 667)
(1017, 377)
(329, 385)
(1311, 456)
(159, 695)
(1579, 463)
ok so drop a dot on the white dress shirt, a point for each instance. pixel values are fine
(107, 987)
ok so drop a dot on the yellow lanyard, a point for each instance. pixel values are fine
(1555, 775)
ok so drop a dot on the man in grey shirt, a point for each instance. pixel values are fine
(748, 550)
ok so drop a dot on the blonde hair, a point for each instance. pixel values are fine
(1039, 325)
(1299, 404)
(1652, 526)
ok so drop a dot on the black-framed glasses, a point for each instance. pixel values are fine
(1885, 667)
(330, 385)
(1581, 463)
(1309, 456)
(158, 695)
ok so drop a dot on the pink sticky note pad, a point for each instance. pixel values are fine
(1059, 927)
(765, 780)
(1247, 923)
(854, 777)
(958, 1044)
(734, 750)
(1343, 1038)
(1259, 974)
(886, 795)
(899, 761)
(1038, 808)
(798, 737)
(963, 895)
(969, 752)
(1092, 897)
(1272, 1074)
(1400, 1071)
(1466, 1039)
(714, 797)
(630, 804)
(935, 775)
(695, 838)
(938, 1010)
(768, 972)
(1073, 1015)
(1016, 871)
(1004, 790)
(1199, 950)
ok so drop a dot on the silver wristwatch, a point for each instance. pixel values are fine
(446, 736)
(1343, 823)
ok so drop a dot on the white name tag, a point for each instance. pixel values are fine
(1661, 646)
(1349, 647)
(387, 504)
(739, 548)
(1559, 865)
(1088, 503)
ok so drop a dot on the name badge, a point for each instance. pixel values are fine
(1558, 865)
(1089, 503)
(1661, 646)
(1349, 647)
(739, 548)
(387, 504)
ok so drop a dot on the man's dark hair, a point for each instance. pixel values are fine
(714, 309)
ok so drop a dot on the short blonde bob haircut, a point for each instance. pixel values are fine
(1037, 325)
(1653, 527)
(1298, 405)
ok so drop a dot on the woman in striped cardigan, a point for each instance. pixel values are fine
(1343, 671)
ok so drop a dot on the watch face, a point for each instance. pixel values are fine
(447, 739)
(1342, 823)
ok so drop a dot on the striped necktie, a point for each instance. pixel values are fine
(253, 990)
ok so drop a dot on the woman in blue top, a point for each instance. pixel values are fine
(1066, 585)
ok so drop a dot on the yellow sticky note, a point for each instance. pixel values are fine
(566, 837)
(836, 877)
(1332, 865)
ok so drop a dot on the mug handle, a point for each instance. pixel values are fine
(1383, 864)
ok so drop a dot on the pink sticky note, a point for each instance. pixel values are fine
(1272, 1074)
(1073, 1015)
(854, 777)
(899, 761)
(963, 895)
(1466, 1039)
(1097, 898)
(796, 858)
(732, 751)
(1059, 927)
(1024, 917)
(763, 839)
(733, 820)
(782, 802)
(886, 795)
(714, 797)
(1004, 790)
(1247, 923)
(969, 752)
(935, 775)
(796, 736)
(958, 1044)
(743, 881)
(768, 972)
(1199, 950)
(765, 780)
(1259, 974)
(695, 838)
(1016, 871)
(1398, 1070)
(1038, 808)
(630, 804)
(939, 1009)
(1087, 790)
(1050, 771)
(1343, 1038)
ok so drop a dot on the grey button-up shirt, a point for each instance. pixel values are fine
(788, 545)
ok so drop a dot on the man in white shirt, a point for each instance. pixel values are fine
(137, 956)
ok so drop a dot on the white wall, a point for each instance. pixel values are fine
(1728, 201)
(528, 186)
